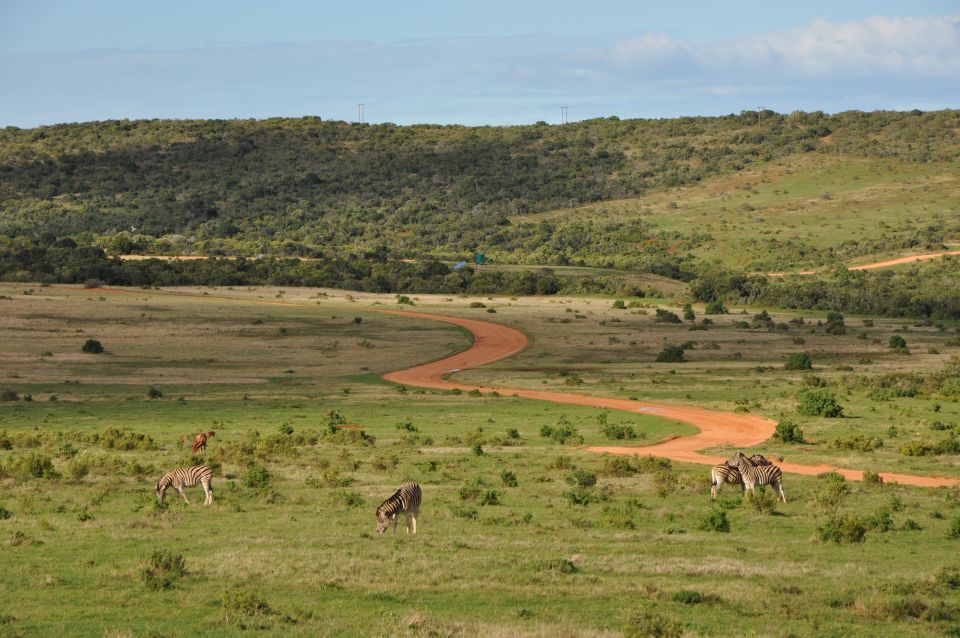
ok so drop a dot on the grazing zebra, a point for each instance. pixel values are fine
(754, 475)
(724, 473)
(406, 500)
(200, 441)
(182, 477)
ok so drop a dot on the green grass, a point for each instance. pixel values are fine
(300, 557)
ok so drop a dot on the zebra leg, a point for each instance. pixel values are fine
(413, 517)
(183, 494)
(713, 491)
(396, 520)
(783, 495)
(408, 515)
(208, 492)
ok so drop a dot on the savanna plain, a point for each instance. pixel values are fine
(523, 530)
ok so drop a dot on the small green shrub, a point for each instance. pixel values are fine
(842, 529)
(788, 432)
(688, 313)
(954, 531)
(240, 607)
(162, 569)
(562, 433)
(619, 431)
(4, 513)
(582, 478)
(762, 501)
(509, 478)
(257, 477)
(715, 308)
(92, 346)
(559, 565)
(619, 304)
(872, 478)
(153, 393)
(9, 395)
(687, 597)
(33, 465)
(714, 521)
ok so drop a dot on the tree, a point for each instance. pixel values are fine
(820, 402)
(92, 346)
(671, 354)
(897, 342)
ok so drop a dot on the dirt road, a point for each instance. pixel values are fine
(493, 342)
(909, 259)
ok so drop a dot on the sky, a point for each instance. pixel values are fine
(493, 62)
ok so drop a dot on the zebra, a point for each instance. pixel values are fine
(405, 500)
(724, 473)
(753, 475)
(182, 477)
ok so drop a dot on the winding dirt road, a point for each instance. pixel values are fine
(493, 342)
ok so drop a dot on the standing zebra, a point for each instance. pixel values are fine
(182, 477)
(724, 473)
(754, 475)
(406, 500)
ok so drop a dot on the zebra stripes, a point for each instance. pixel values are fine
(182, 477)
(405, 500)
(754, 475)
(723, 473)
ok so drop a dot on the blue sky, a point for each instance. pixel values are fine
(492, 62)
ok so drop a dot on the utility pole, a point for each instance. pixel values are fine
(360, 113)
(563, 115)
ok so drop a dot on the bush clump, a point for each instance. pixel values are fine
(92, 346)
(665, 316)
(842, 529)
(714, 521)
(240, 607)
(671, 354)
(162, 569)
(563, 432)
(619, 431)
(799, 361)
(788, 432)
(715, 308)
(33, 465)
(257, 477)
(897, 342)
(820, 402)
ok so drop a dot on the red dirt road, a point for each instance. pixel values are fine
(493, 342)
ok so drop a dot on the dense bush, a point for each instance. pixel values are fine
(788, 432)
(92, 346)
(671, 354)
(820, 402)
(897, 342)
(162, 569)
(799, 361)
(842, 529)
(714, 521)
(562, 433)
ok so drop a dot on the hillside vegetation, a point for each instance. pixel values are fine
(687, 198)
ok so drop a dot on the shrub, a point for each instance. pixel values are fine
(619, 431)
(582, 478)
(687, 597)
(477, 304)
(762, 501)
(477, 448)
(407, 426)
(153, 393)
(818, 403)
(33, 465)
(9, 395)
(240, 606)
(831, 493)
(954, 531)
(162, 569)
(560, 565)
(872, 478)
(619, 304)
(714, 521)
(509, 478)
(671, 354)
(92, 346)
(257, 478)
(4, 513)
(835, 325)
(644, 624)
(799, 361)
(561, 462)
(715, 308)
(665, 316)
(788, 432)
(404, 300)
(842, 529)
(896, 342)
(688, 313)
(562, 433)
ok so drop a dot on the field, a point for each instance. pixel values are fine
(519, 534)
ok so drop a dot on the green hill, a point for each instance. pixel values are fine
(606, 189)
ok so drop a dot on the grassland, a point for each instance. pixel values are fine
(540, 555)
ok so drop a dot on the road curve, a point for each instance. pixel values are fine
(493, 341)
(909, 259)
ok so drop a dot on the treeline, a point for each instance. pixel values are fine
(296, 187)
(63, 261)
(931, 290)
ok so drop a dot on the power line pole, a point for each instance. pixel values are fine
(360, 113)
(563, 115)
